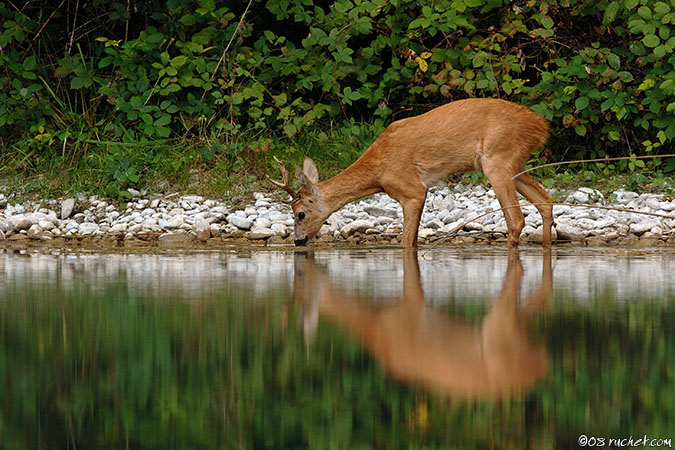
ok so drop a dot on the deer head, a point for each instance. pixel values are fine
(309, 210)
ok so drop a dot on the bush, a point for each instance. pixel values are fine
(76, 79)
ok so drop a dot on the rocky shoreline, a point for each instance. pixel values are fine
(451, 216)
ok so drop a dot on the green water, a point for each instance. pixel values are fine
(444, 348)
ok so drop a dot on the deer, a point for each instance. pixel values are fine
(420, 344)
(413, 154)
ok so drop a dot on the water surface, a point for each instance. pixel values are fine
(377, 348)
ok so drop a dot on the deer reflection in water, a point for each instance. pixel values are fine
(419, 344)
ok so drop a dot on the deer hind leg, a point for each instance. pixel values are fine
(500, 178)
(541, 199)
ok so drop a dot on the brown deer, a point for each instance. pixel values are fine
(411, 155)
(416, 343)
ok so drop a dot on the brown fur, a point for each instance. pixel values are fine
(419, 344)
(411, 155)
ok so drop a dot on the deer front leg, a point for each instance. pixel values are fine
(412, 213)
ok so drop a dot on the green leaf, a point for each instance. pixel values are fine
(661, 7)
(660, 51)
(80, 82)
(610, 13)
(29, 63)
(547, 22)
(580, 130)
(136, 102)
(280, 100)
(155, 38)
(614, 61)
(188, 20)
(636, 26)
(581, 103)
(651, 40)
(645, 12)
(626, 76)
(290, 130)
(162, 121)
(179, 61)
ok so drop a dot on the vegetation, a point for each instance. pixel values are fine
(123, 94)
(137, 369)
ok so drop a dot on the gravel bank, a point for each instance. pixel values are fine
(192, 219)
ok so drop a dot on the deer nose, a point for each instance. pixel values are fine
(301, 242)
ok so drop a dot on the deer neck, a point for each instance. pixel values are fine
(355, 182)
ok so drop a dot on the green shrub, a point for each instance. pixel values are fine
(601, 72)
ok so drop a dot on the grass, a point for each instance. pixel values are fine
(232, 169)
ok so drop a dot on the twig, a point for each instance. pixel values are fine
(454, 232)
(621, 158)
(581, 205)
(126, 27)
(72, 34)
(42, 27)
(222, 57)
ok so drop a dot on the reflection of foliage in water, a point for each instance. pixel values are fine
(123, 370)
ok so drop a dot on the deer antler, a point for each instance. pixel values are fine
(286, 185)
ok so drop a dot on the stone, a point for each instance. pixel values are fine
(242, 223)
(19, 222)
(50, 216)
(644, 226)
(175, 238)
(580, 197)
(379, 211)
(34, 231)
(356, 226)
(537, 236)
(175, 222)
(118, 228)
(87, 228)
(262, 222)
(215, 229)
(67, 208)
(202, 230)
(426, 233)
(474, 226)
(653, 204)
(260, 233)
(279, 229)
(46, 225)
(134, 193)
(276, 240)
(568, 232)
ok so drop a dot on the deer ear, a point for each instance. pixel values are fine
(308, 177)
(310, 171)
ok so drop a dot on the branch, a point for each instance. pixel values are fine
(222, 57)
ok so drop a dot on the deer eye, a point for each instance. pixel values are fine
(301, 215)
